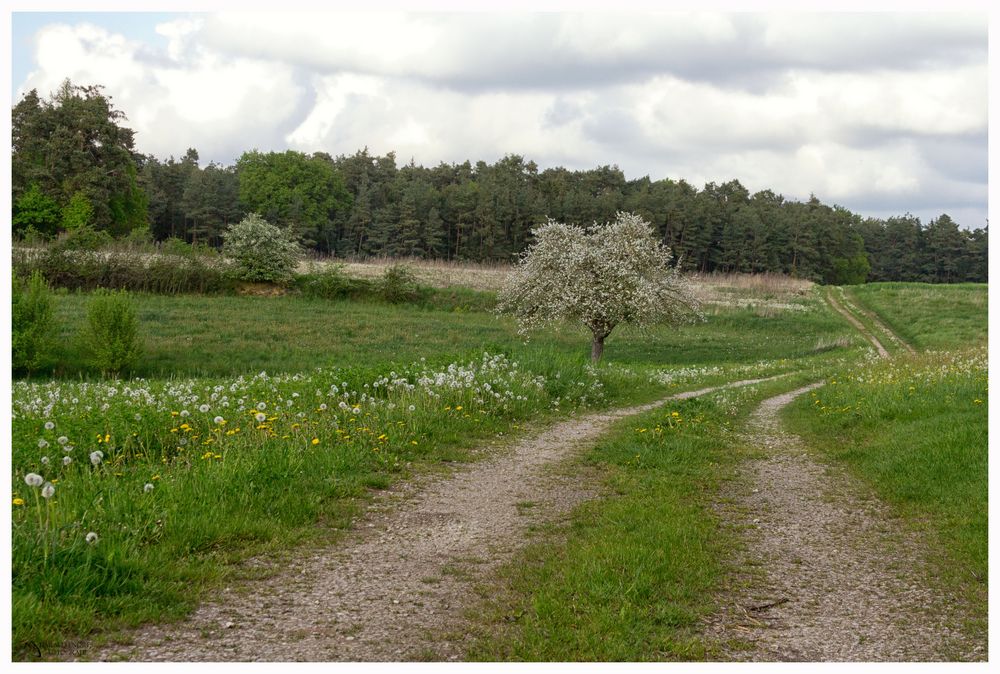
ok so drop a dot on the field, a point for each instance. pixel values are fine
(262, 425)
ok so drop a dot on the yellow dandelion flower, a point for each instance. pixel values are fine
(315, 441)
(18, 501)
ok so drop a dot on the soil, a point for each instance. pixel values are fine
(829, 575)
(398, 587)
(838, 307)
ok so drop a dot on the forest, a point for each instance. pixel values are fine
(74, 164)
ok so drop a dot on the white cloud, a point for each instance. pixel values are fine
(855, 108)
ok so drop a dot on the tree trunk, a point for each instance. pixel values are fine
(597, 348)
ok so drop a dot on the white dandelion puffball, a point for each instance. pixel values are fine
(138, 417)
(356, 410)
(45, 460)
(219, 421)
(92, 537)
(62, 440)
(148, 487)
(67, 460)
(48, 490)
(96, 457)
(203, 409)
(260, 417)
(412, 407)
(33, 480)
(322, 406)
(68, 448)
(261, 406)
(185, 413)
(49, 425)
(43, 443)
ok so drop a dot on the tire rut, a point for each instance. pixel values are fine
(837, 578)
(397, 588)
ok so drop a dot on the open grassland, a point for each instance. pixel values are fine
(929, 316)
(209, 461)
(213, 336)
(915, 428)
(631, 576)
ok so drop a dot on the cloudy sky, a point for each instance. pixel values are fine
(880, 113)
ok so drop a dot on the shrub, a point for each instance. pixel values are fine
(32, 325)
(83, 238)
(111, 334)
(327, 283)
(398, 284)
(260, 251)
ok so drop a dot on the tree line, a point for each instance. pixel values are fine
(74, 164)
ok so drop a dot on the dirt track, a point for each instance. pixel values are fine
(397, 588)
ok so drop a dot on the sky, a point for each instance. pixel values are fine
(882, 113)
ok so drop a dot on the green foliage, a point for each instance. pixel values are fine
(33, 330)
(82, 238)
(329, 283)
(301, 194)
(35, 211)
(398, 284)
(73, 144)
(78, 213)
(261, 251)
(849, 271)
(110, 337)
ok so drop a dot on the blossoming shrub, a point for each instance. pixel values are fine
(111, 334)
(260, 250)
(32, 325)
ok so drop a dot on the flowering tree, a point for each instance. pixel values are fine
(601, 276)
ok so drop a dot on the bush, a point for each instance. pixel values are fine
(328, 283)
(32, 325)
(398, 284)
(111, 337)
(83, 238)
(260, 251)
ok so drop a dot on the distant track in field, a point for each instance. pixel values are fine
(827, 572)
(879, 323)
(398, 586)
(839, 308)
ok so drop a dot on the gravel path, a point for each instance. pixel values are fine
(397, 588)
(837, 579)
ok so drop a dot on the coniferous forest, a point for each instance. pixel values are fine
(74, 165)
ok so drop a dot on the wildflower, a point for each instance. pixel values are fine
(203, 408)
(411, 408)
(356, 410)
(315, 441)
(261, 406)
(138, 417)
(62, 440)
(45, 460)
(49, 425)
(219, 421)
(96, 457)
(68, 448)
(185, 413)
(18, 501)
(43, 443)
(322, 406)
(48, 490)
(33, 480)
(92, 537)
(148, 487)
(67, 460)
(260, 417)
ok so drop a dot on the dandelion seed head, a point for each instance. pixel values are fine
(261, 406)
(218, 421)
(43, 443)
(185, 413)
(67, 460)
(203, 408)
(92, 537)
(48, 490)
(62, 440)
(49, 425)
(96, 457)
(260, 417)
(33, 480)
(148, 487)
(45, 460)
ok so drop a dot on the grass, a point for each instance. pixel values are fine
(929, 316)
(632, 574)
(223, 335)
(915, 429)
